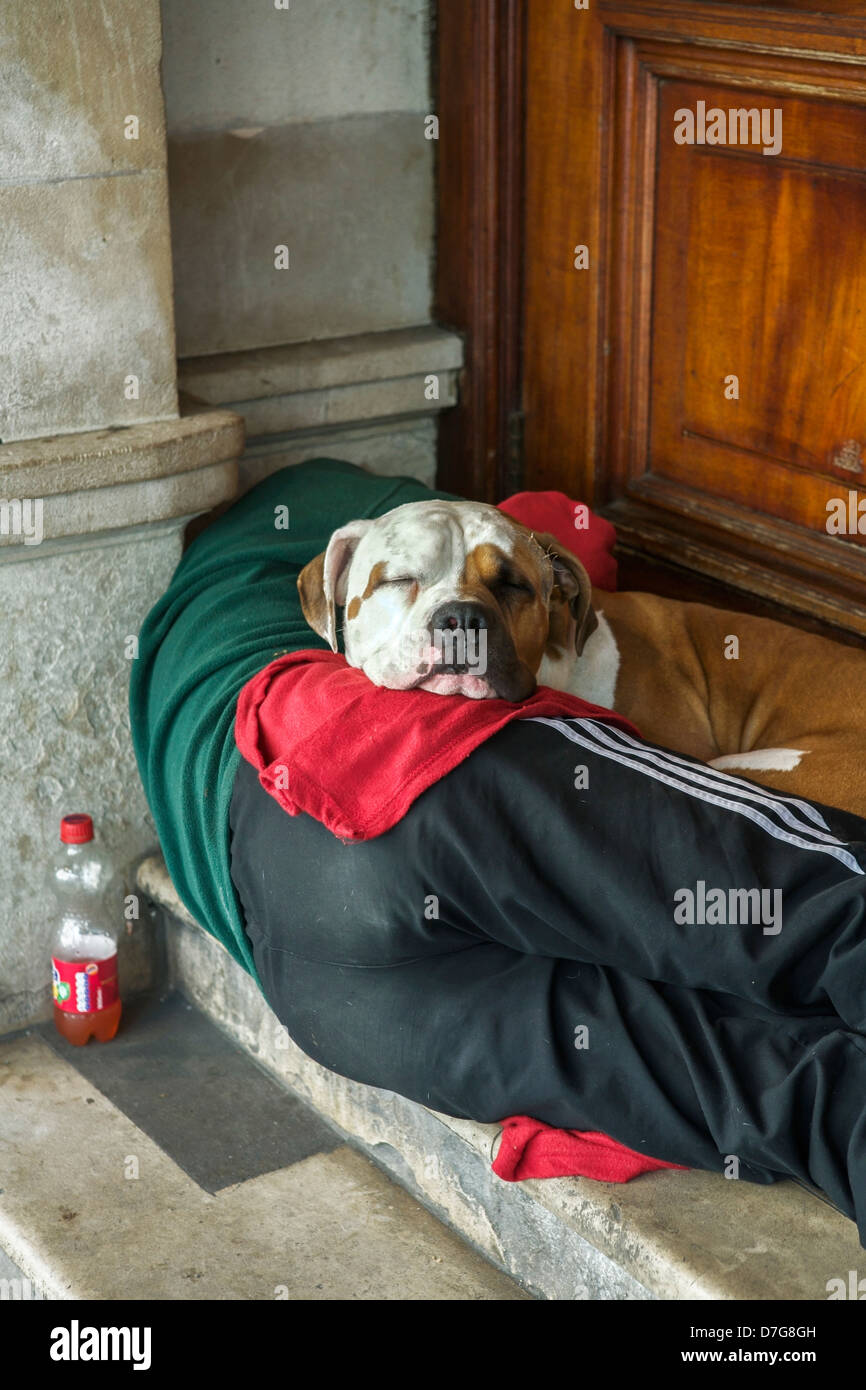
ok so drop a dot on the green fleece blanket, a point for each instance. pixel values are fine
(232, 606)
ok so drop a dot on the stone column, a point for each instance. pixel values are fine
(98, 471)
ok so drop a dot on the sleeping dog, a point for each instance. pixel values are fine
(458, 598)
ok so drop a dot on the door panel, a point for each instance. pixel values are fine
(707, 262)
(745, 285)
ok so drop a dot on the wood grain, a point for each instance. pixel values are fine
(479, 84)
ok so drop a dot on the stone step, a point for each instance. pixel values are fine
(667, 1235)
(168, 1165)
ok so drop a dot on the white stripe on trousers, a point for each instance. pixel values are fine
(727, 779)
(722, 782)
(686, 778)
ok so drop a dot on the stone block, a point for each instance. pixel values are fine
(90, 512)
(330, 1228)
(405, 449)
(345, 405)
(230, 64)
(331, 382)
(137, 453)
(352, 200)
(321, 363)
(73, 71)
(85, 304)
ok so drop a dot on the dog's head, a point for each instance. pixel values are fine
(452, 597)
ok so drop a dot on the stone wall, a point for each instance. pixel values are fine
(97, 470)
(64, 735)
(301, 127)
(304, 127)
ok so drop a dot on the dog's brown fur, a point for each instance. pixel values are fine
(786, 689)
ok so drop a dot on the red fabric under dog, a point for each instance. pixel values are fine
(354, 755)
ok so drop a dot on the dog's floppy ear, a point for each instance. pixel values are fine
(574, 584)
(322, 583)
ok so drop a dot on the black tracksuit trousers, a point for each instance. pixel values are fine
(563, 927)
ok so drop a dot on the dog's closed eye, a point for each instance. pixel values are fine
(515, 585)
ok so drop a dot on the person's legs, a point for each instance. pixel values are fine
(652, 864)
(681, 1075)
(572, 839)
(510, 947)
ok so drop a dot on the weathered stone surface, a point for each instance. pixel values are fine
(64, 733)
(73, 71)
(85, 303)
(351, 199)
(229, 65)
(292, 368)
(332, 382)
(338, 405)
(328, 1227)
(400, 450)
(670, 1235)
(99, 458)
(98, 509)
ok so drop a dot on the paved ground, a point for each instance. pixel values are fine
(168, 1165)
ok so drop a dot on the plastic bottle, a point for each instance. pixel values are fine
(84, 949)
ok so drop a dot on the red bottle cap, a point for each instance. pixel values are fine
(76, 829)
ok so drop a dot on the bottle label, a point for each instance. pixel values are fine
(84, 986)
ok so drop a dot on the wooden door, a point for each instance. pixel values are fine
(699, 369)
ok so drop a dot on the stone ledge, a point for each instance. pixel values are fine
(312, 366)
(301, 386)
(302, 1210)
(68, 463)
(669, 1235)
(107, 480)
(75, 516)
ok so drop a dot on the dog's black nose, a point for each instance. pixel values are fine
(457, 614)
(456, 630)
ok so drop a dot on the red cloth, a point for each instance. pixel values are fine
(326, 741)
(531, 1149)
(586, 535)
(354, 755)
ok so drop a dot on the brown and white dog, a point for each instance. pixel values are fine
(459, 598)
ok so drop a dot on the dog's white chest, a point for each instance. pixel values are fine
(592, 676)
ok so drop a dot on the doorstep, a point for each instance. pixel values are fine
(168, 1165)
(668, 1235)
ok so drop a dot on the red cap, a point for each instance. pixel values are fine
(76, 829)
